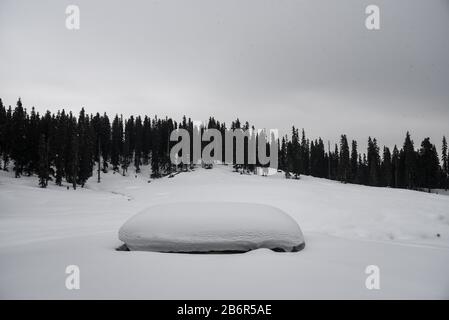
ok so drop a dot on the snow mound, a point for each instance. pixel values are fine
(211, 227)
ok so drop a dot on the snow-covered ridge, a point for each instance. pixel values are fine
(211, 227)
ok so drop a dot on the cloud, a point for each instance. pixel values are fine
(274, 63)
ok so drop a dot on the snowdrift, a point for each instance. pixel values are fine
(197, 227)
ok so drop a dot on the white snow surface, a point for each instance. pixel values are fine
(346, 227)
(211, 226)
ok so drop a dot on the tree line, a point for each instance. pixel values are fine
(407, 167)
(61, 146)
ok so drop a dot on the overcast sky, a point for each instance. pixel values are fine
(311, 64)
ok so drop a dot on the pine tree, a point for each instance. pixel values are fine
(43, 162)
(344, 164)
(293, 154)
(18, 145)
(99, 159)
(395, 167)
(329, 160)
(138, 144)
(364, 170)
(354, 162)
(126, 158)
(6, 138)
(386, 168)
(409, 158)
(428, 165)
(117, 142)
(335, 163)
(60, 146)
(72, 159)
(373, 162)
(85, 145)
(304, 154)
(318, 164)
(47, 127)
(445, 165)
(3, 132)
(155, 146)
(146, 140)
(360, 171)
(282, 154)
(32, 142)
(105, 139)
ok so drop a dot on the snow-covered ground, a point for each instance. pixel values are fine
(346, 228)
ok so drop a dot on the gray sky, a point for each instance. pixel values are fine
(275, 63)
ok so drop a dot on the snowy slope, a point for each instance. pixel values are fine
(347, 227)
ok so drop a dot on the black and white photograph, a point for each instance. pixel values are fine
(253, 150)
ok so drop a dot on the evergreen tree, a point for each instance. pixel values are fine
(445, 165)
(428, 165)
(60, 146)
(304, 154)
(43, 162)
(117, 142)
(18, 145)
(127, 149)
(72, 158)
(85, 149)
(344, 164)
(409, 159)
(360, 171)
(32, 143)
(363, 170)
(155, 143)
(4, 135)
(293, 154)
(96, 126)
(318, 164)
(395, 167)
(138, 144)
(335, 161)
(386, 168)
(282, 154)
(6, 138)
(47, 126)
(354, 162)
(105, 141)
(373, 162)
(146, 140)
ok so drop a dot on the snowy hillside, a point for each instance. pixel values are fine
(346, 228)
